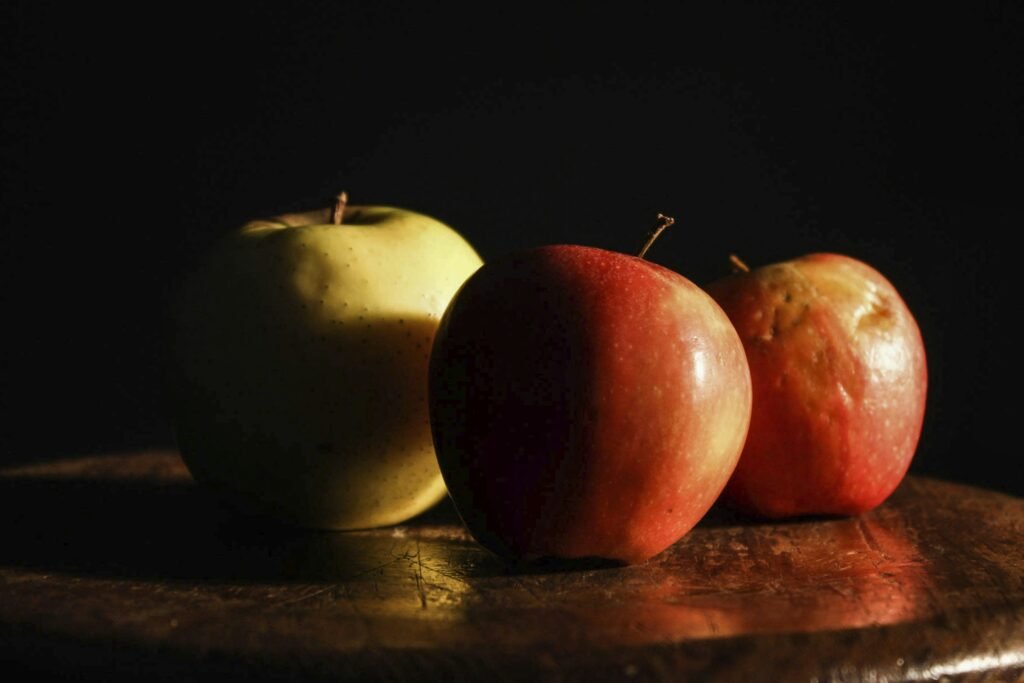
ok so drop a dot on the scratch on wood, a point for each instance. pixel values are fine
(526, 587)
(419, 577)
(869, 539)
(376, 568)
(306, 596)
(448, 574)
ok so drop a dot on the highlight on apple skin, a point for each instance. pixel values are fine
(301, 353)
(585, 403)
(840, 384)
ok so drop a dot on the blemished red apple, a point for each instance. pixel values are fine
(585, 404)
(840, 381)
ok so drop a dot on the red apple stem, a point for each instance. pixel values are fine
(339, 208)
(738, 265)
(660, 224)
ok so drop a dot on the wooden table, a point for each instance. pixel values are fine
(118, 567)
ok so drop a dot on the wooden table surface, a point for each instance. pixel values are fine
(119, 568)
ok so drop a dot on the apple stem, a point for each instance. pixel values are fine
(660, 224)
(339, 208)
(738, 265)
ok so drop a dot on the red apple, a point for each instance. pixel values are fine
(585, 403)
(839, 374)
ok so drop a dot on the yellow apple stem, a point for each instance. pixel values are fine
(660, 224)
(738, 265)
(339, 208)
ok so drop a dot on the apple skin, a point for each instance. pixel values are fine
(300, 377)
(585, 403)
(840, 382)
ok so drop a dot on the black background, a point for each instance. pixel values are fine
(133, 138)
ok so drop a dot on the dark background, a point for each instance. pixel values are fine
(132, 139)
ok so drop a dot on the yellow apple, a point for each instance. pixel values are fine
(301, 353)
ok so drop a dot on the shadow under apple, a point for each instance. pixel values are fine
(166, 527)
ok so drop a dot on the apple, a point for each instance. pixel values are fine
(585, 404)
(840, 379)
(301, 353)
